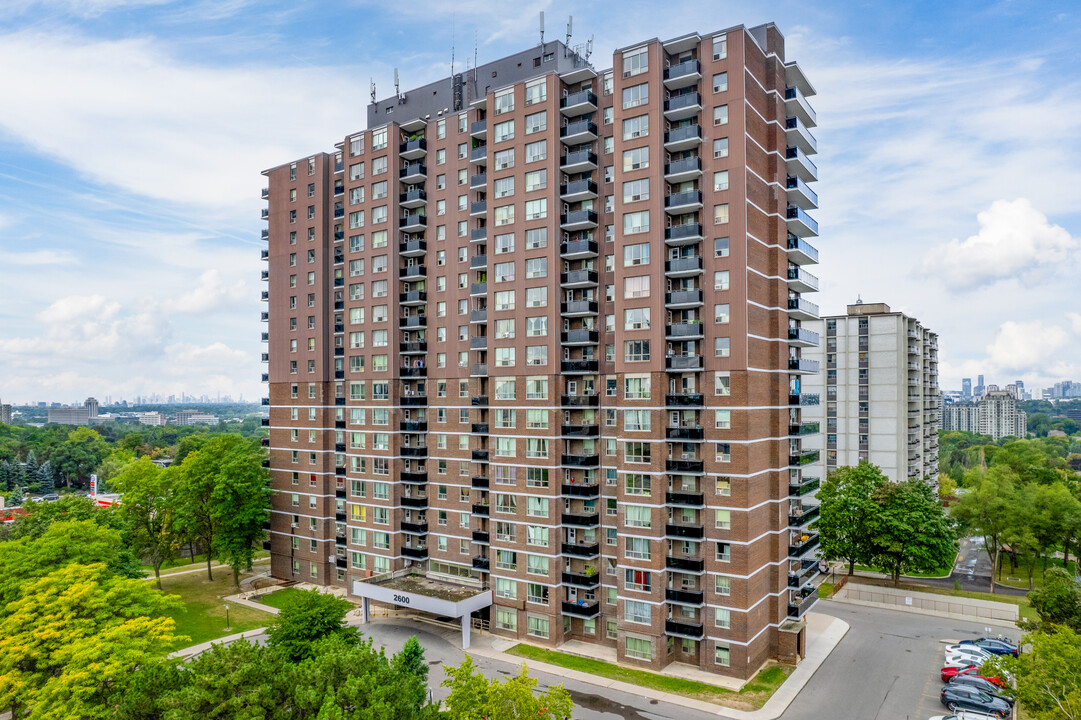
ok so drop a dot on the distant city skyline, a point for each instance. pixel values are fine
(151, 399)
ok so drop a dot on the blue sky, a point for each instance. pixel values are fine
(132, 134)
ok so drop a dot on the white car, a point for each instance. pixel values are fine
(970, 650)
(965, 715)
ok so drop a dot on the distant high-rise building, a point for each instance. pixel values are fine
(5, 414)
(91, 407)
(979, 386)
(995, 414)
(880, 391)
(966, 388)
(538, 332)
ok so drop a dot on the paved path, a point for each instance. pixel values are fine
(972, 571)
(201, 568)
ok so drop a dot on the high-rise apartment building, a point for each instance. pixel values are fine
(538, 331)
(995, 414)
(881, 392)
(966, 388)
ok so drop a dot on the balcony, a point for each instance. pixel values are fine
(684, 331)
(802, 309)
(799, 280)
(419, 451)
(578, 132)
(684, 202)
(803, 429)
(683, 629)
(684, 399)
(413, 198)
(578, 308)
(684, 74)
(479, 262)
(413, 149)
(799, 165)
(582, 490)
(413, 371)
(578, 249)
(683, 299)
(480, 509)
(800, 194)
(582, 550)
(578, 279)
(577, 190)
(683, 363)
(479, 428)
(419, 503)
(413, 173)
(581, 580)
(478, 316)
(581, 519)
(478, 343)
(684, 266)
(478, 234)
(413, 348)
(412, 272)
(684, 597)
(478, 181)
(802, 545)
(800, 609)
(684, 467)
(478, 129)
(575, 460)
(796, 105)
(802, 337)
(579, 367)
(579, 337)
(413, 322)
(801, 252)
(413, 477)
(415, 528)
(797, 134)
(800, 223)
(264, 274)
(578, 161)
(413, 400)
(684, 564)
(480, 563)
(479, 401)
(579, 400)
(685, 234)
(478, 208)
(683, 170)
(478, 370)
(580, 431)
(802, 365)
(803, 457)
(687, 105)
(416, 553)
(808, 571)
(412, 222)
(480, 455)
(578, 220)
(581, 608)
(413, 426)
(801, 519)
(578, 103)
(479, 482)
(477, 289)
(685, 499)
(479, 155)
(684, 433)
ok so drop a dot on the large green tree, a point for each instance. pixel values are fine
(988, 508)
(474, 696)
(149, 511)
(1047, 674)
(310, 617)
(1059, 600)
(846, 513)
(911, 533)
(80, 455)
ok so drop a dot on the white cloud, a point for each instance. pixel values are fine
(37, 257)
(1025, 345)
(210, 294)
(79, 8)
(1015, 239)
(1075, 321)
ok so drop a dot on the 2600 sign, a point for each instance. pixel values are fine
(401, 599)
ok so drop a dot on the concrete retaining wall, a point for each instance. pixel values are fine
(959, 608)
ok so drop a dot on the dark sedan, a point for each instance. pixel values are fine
(978, 683)
(960, 697)
(993, 645)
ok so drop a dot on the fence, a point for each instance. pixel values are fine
(959, 608)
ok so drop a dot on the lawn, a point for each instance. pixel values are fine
(753, 695)
(279, 598)
(203, 616)
(1025, 610)
(184, 564)
(1018, 577)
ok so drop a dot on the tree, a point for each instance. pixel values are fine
(910, 531)
(149, 508)
(240, 501)
(1048, 674)
(410, 661)
(46, 481)
(474, 696)
(846, 510)
(1059, 600)
(69, 508)
(68, 636)
(16, 498)
(80, 454)
(310, 617)
(987, 508)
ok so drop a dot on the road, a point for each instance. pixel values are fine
(885, 668)
(972, 570)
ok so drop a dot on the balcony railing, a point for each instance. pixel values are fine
(581, 520)
(585, 550)
(584, 490)
(684, 597)
(688, 499)
(685, 564)
(582, 580)
(801, 546)
(684, 399)
(685, 531)
(684, 629)
(581, 608)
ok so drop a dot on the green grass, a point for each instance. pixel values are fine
(183, 564)
(280, 598)
(943, 572)
(1006, 572)
(203, 615)
(825, 590)
(753, 695)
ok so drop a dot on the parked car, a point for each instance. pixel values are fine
(965, 715)
(995, 646)
(51, 497)
(959, 697)
(981, 684)
(967, 654)
(949, 671)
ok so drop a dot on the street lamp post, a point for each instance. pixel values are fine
(227, 626)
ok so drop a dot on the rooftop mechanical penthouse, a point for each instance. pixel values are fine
(537, 335)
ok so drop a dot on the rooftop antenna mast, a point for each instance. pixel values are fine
(373, 89)
(542, 27)
(570, 23)
(397, 91)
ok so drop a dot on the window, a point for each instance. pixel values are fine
(635, 127)
(537, 626)
(379, 165)
(720, 280)
(722, 346)
(504, 328)
(536, 238)
(637, 612)
(720, 214)
(723, 585)
(536, 297)
(720, 314)
(636, 387)
(637, 516)
(640, 580)
(537, 122)
(536, 209)
(636, 222)
(506, 588)
(504, 244)
(637, 549)
(636, 420)
(536, 354)
(635, 62)
(720, 180)
(723, 519)
(721, 655)
(504, 357)
(638, 452)
(724, 452)
(720, 115)
(536, 151)
(636, 159)
(504, 272)
(720, 247)
(536, 267)
(503, 131)
(636, 287)
(720, 148)
(504, 300)
(635, 95)
(720, 47)
(504, 187)
(636, 319)
(536, 91)
(504, 159)
(536, 180)
(537, 507)
(504, 215)
(537, 389)
(608, 115)
(636, 350)
(505, 559)
(536, 326)
(720, 82)
(504, 389)
(379, 139)
(504, 101)
(636, 190)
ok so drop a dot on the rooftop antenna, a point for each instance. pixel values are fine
(452, 50)
(373, 89)
(542, 27)
(396, 91)
(570, 23)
